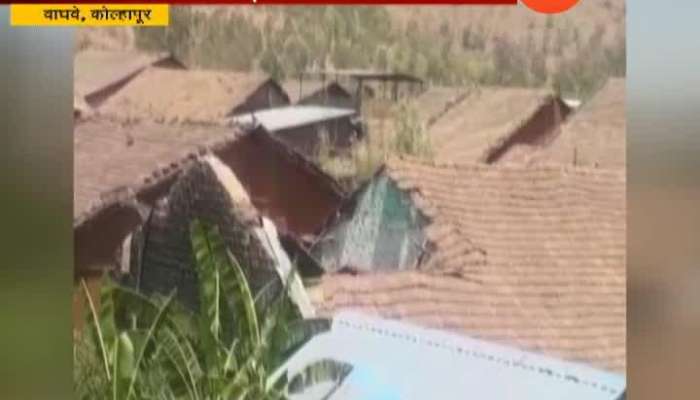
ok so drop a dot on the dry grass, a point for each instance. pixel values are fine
(391, 130)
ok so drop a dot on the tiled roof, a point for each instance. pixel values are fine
(482, 121)
(115, 161)
(96, 69)
(595, 135)
(529, 256)
(438, 100)
(110, 156)
(182, 95)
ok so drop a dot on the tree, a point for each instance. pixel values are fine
(410, 137)
(269, 62)
(381, 59)
(296, 55)
(466, 38)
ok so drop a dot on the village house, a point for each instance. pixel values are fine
(122, 170)
(526, 256)
(331, 95)
(99, 74)
(436, 101)
(159, 256)
(489, 122)
(593, 136)
(380, 84)
(320, 93)
(305, 128)
(194, 96)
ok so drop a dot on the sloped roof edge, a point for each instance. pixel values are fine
(149, 181)
(169, 171)
(501, 143)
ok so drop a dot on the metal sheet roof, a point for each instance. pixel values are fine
(392, 360)
(275, 119)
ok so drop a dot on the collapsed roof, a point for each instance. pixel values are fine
(208, 191)
(123, 169)
(529, 256)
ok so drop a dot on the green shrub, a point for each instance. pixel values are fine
(137, 347)
(410, 137)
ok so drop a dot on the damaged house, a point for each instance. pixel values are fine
(489, 123)
(527, 256)
(194, 96)
(122, 170)
(160, 255)
(305, 128)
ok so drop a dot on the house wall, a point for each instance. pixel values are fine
(307, 139)
(96, 241)
(267, 95)
(383, 231)
(296, 199)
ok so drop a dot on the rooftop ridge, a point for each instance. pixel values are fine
(395, 162)
(157, 176)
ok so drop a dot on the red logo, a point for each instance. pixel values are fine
(550, 6)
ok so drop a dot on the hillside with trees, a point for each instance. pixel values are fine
(447, 45)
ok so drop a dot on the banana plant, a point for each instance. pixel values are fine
(153, 348)
(122, 353)
(263, 333)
